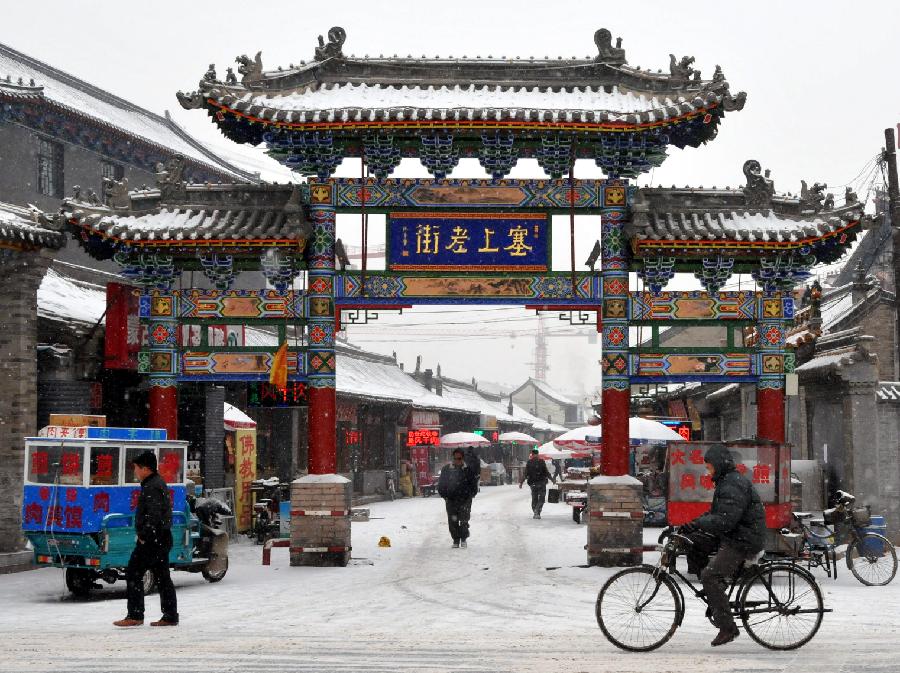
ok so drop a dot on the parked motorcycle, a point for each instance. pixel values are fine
(269, 493)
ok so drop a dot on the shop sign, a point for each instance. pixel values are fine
(264, 394)
(423, 437)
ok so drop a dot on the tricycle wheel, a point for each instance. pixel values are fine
(215, 570)
(80, 581)
(149, 582)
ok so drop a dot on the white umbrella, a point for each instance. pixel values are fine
(549, 452)
(235, 419)
(579, 438)
(641, 429)
(462, 439)
(517, 438)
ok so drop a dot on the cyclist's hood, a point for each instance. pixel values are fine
(720, 458)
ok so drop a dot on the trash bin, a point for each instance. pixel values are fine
(878, 526)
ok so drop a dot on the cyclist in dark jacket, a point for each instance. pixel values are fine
(457, 485)
(737, 519)
(153, 525)
(537, 475)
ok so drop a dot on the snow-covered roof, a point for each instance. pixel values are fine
(65, 299)
(40, 81)
(544, 388)
(23, 227)
(888, 391)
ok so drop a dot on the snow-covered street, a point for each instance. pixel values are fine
(515, 600)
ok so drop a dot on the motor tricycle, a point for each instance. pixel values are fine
(79, 501)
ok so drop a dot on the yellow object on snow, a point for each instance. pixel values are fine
(384, 541)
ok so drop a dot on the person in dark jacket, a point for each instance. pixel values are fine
(153, 525)
(457, 485)
(737, 519)
(537, 475)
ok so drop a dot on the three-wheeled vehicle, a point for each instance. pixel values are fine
(80, 497)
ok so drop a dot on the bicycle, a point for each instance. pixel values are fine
(777, 601)
(870, 557)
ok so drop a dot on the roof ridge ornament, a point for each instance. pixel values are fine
(608, 53)
(681, 71)
(813, 197)
(336, 38)
(251, 70)
(759, 189)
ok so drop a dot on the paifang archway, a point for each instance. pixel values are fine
(315, 115)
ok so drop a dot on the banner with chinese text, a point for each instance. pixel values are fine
(244, 474)
(468, 242)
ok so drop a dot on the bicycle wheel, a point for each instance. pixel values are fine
(873, 560)
(781, 606)
(638, 609)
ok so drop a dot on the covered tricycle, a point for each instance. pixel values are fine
(80, 497)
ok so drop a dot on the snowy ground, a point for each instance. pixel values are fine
(515, 600)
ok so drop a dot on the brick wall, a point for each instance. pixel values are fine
(20, 276)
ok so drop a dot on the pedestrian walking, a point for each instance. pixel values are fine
(457, 485)
(537, 475)
(738, 521)
(557, 469)
(153, 524)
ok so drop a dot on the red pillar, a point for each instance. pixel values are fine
(770, 414)
(164, 409)
(614, 422)
(322, 430)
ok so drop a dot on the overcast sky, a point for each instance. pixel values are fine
(821, 78)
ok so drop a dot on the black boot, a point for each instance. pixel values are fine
(726, 635)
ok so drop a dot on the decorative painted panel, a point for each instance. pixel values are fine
(673, 306)
(455, 194)
(237, 366)
(382, 288)
(468, 242)
(711, 366)
(244, 304)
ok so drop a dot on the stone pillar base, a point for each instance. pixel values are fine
(615, 522)
(320, 520)
(16, 561)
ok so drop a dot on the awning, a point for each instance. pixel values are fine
(235, 419)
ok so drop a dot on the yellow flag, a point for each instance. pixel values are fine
(279, 372)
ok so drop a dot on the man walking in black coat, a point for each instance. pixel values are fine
(537, 475)
(457, 485)
(153, 524)
(738, 520)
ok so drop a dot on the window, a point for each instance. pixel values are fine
(110, 171)
(130, 454)
(104, 465)
(52, 463)
(50, 168)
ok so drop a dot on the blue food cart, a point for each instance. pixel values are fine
(80, 497)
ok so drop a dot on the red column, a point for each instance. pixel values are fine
(770, 414)
(322, 430)
(614, 422)
(164, 409)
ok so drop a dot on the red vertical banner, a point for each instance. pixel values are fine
(123, 331)
(770, 414)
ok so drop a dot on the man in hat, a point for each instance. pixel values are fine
(737, 519)
(537, 475)
(153, 524)
(457, 485)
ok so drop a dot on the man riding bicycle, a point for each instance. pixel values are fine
(737, 521)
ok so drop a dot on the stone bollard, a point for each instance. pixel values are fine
(615, 521)
(320, 520)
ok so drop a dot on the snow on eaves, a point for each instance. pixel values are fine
(85, 99)
(65, 299)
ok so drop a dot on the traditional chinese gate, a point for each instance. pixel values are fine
(481, 241)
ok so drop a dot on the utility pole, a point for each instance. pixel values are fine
(890, 158)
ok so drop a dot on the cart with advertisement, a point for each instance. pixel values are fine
(79, 501)
(766, 464)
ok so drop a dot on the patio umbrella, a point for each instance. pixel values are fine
(641, 429)
(584, 438)
(462, 439)
(517, 438)
(549, 452)
(235, 419)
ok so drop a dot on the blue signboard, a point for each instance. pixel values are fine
(148, 434)
(80, 509)
(469, 242)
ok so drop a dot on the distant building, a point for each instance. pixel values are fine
(59, 133)
(541, 400)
